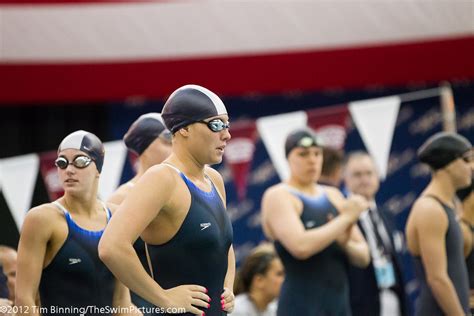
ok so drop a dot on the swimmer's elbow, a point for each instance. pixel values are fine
(298, 246)
(108, 252)
(301, 254)
(300, 251)
(361, 261)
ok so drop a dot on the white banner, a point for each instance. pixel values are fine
(115, 154)
(375, 119)
(17, 180)
(140, 30)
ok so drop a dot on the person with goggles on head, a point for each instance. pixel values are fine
(58, 250)
(315, 233)
(150, 140)
(178, 209)
(434, 237)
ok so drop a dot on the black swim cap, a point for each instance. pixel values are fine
(144, 131)
(86, 142)
(464, 192)
(190, 104)
(300, 138)
(443, 148)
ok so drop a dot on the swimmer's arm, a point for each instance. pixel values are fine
(140, 207)
(227, 296)
(355, 246)
(357, 249)
(230, 275)
(281, 216)
(122, 300)
(35, 235)
(431, 236)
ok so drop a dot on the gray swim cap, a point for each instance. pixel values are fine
(86, 142)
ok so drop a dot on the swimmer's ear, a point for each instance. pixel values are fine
(184, 131)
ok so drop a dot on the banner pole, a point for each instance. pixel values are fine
(448, 108)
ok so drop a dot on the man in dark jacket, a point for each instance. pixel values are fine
(377, 289)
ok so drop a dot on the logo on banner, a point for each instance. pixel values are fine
(332, 135)
(240, 150)
(239, 154)
(330, 124)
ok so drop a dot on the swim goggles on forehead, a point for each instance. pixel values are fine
(80, 162)
(216, 125)
(306, 142)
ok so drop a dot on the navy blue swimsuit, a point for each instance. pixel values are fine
(456, 266)
(198, 253)
(76, 277)
(317, 286)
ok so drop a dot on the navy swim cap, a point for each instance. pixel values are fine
(443, 148)
(144, 131)
(300, 138)
(86, 142)
(190, 104)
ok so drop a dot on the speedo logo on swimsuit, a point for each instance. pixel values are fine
(74, 261)
(205, 225)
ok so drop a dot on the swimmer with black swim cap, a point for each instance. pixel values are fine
(434, 237)
(150, 140)
(181, 214)
(315, 232)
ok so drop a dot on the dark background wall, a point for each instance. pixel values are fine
(39, 128)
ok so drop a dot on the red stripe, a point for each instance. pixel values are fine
(304, 71)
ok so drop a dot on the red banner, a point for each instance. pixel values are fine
(239, 153)
(330, 124)
(49, 172)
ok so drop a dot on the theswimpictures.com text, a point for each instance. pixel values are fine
(88, 310)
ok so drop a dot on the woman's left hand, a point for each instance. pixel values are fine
(227, 300)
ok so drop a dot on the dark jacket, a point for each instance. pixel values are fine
(364, 293)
